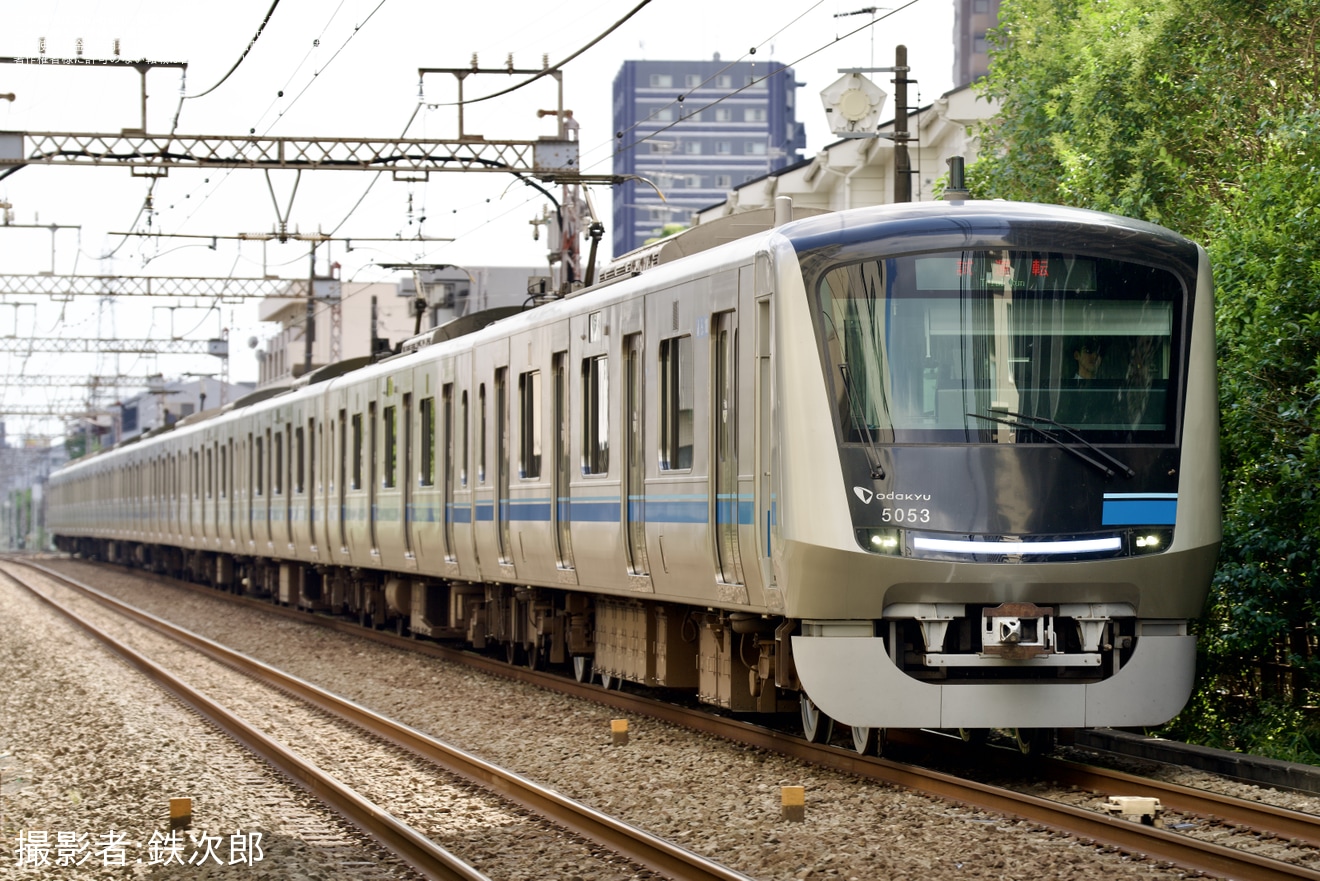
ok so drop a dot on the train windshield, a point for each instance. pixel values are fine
(1002, 346)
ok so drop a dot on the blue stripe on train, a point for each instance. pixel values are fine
(1139, 509)
(601, 509)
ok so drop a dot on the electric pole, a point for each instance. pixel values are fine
(902, 162)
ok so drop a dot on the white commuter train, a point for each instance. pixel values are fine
(849, 465)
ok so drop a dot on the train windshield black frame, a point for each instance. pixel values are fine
(993, 345)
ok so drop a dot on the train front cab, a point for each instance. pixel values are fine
(984, 552)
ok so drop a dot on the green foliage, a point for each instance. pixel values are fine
(665, 232)
(1265, 248)
(1146, 108)
(76, 445)
(1201, 115)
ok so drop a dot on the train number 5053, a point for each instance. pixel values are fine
(905, 515)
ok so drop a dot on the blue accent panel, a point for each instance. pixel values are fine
(533, 510)
(485, 512)
(460, 513)
(729, 507)
(674, 509)
(1139, 512)
(421, 513)
(595, 510)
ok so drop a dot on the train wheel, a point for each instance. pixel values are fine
(816, 726)
(868, 741)
(1034, 741)
(534, 658)
(610, 683)
(974, 736)
(513, 653)
(582, 668)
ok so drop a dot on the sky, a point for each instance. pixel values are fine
(348, 68)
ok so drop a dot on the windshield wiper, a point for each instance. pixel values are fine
(859, 419)
(1018, 422)
(1072, 433)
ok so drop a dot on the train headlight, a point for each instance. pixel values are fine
(881, 541)
(1150, 541)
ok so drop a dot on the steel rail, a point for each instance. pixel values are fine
(1099, 828)
(639, 846)
(1236, 811)
(415, 849)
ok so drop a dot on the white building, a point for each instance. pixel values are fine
(854, 172)
(166, 402)
(342, 314)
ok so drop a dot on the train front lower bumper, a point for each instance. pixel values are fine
(853, 680)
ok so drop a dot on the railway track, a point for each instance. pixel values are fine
(1154, 843)
(611, 838)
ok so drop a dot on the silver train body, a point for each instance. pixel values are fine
(849, 463)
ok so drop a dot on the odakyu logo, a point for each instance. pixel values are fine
(867, 496)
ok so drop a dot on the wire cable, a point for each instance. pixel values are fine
(251, 43)
(554, 67)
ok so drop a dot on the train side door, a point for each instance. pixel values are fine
(448, 473)
(342, 492)
(501, 501)
(563, 472)
(634, 476)
(408, 479)
(373, 484)
(307, 442)
(724, 467)
(765, 449)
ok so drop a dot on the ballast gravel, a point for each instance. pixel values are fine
(91, 752)
(719, 799)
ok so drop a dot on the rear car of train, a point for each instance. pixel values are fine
(1023, 513)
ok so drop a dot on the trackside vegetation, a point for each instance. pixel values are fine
(1204, 116)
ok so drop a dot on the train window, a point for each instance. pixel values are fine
(261, 466)
(299, 475)
(210, 474)
(676, 403)
(389, 416)
(224, 471)
(427, 414)
(529, 425)
(277, 468)
(993, 346)
(595, 415)
(316, 436)
(462, 440)
(357, 452)
(481, 429)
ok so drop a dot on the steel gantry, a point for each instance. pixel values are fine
(65, 346)
(547, 159)
(61, 287)
(95, 383)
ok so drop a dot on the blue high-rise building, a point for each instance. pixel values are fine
(696, 129)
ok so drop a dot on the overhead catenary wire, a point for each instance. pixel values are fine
(261, 27)
(554, 67)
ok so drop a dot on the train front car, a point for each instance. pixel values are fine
(1023, 512)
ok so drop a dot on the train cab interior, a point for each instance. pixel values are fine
(995, 346)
